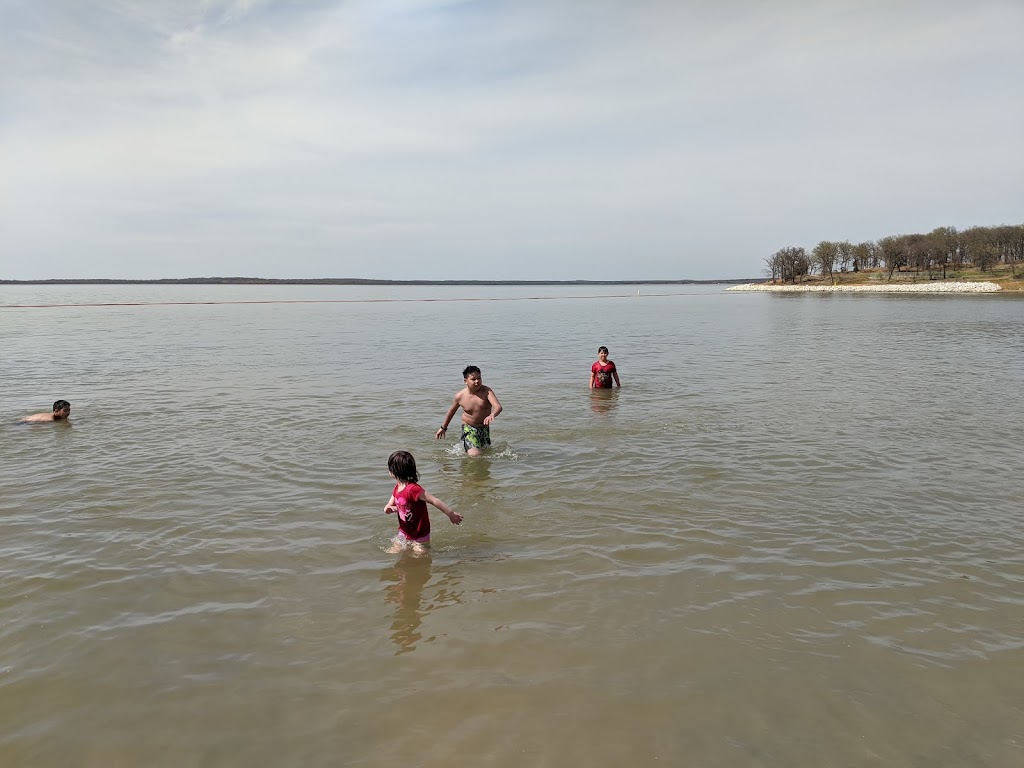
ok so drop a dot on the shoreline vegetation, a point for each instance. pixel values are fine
(997, 279)
(357, 281)
(973, 260)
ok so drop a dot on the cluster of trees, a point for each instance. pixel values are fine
(939, 251)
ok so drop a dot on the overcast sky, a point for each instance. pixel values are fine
(505, 139)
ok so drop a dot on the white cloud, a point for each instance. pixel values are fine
(554, 139)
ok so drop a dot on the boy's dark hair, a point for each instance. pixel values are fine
(60, 405)
(468, 370)
(602, 349)
(402, 465)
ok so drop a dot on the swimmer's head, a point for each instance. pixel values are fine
(61, 409)
(402, 467)
(602, 349)
(474, 379)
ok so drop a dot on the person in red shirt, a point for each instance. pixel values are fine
(409, 501)
(603, 371)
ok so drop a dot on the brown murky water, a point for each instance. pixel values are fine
(793, 538)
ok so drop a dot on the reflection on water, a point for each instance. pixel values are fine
(604, 401)
(475, 471)
(62, 424)
(472, 474)
(407, 578)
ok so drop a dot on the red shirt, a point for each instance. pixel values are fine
(603, 374)
(413, 520)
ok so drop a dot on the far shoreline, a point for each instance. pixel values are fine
(356, 281)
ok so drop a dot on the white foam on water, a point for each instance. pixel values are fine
(497, 451)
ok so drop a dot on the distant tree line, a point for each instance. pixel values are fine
(941, 250)
(352, 281)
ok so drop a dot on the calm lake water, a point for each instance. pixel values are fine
(793, 538)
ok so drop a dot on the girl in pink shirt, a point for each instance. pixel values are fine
(409, 501)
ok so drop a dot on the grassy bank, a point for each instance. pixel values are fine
(1002, 275)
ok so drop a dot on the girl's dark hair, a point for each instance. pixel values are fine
(402, 465)
(602, 349)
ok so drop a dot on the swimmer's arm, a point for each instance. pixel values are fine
(615, 375)
(495, 407)
(447, 418)
(454, 516)
(593, 377)
(391, 506)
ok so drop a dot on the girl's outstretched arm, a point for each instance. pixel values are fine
(454, 516)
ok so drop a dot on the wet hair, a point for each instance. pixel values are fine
(402, 465)
(602, 349)
(60, 405)
(468, 370)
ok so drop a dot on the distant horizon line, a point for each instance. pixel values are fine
(355, 281)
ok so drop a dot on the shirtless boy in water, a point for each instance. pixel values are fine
(61, 411)
(479, 406)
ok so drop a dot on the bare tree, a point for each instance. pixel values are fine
(844, 253)
(1015, 238)
(865, 256)
(926, 252)
(946, 238)
(1009, 241)
(823, 258)
(790, 264)
(966, 241)
(892, 252)
(980, 247)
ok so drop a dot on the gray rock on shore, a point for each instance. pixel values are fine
(935, 287)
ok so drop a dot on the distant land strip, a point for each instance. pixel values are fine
(360, 281)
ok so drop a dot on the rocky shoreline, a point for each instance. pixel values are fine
(934, 287)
